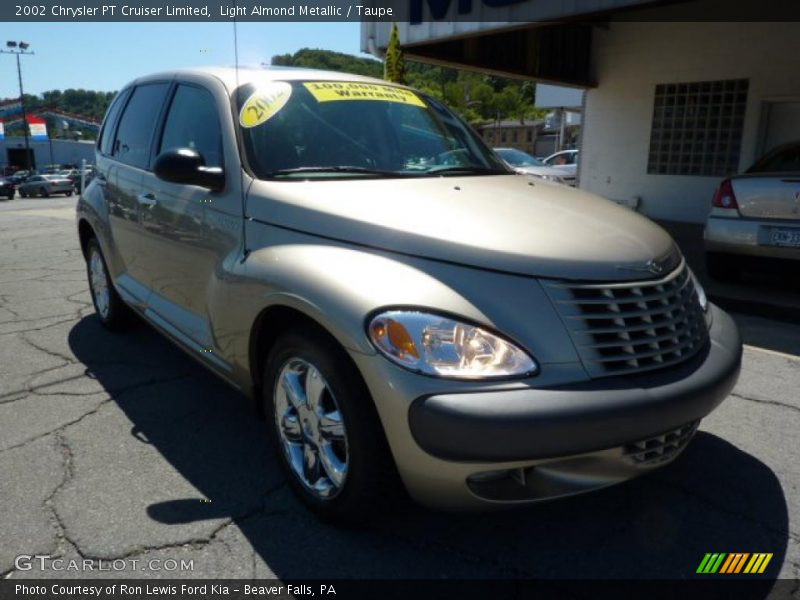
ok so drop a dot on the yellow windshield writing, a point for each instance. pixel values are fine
(329, 91)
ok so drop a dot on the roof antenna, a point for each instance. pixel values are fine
(237, 129)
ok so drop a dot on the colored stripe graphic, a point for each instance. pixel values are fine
(758, 563)
(727, 564)
(711, 562)
(735, 559)
(735, 562)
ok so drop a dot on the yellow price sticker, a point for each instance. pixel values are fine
(330, 91)
(264, 103)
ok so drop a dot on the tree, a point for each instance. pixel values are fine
(394, 65)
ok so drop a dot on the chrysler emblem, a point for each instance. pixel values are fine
(655, 267)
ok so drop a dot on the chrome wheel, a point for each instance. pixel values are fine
(99, 284)
(310, 428)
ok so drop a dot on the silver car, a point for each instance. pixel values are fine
(45, 185)
(756, 215)
(525, 164)
(402, 307)
(566, 163)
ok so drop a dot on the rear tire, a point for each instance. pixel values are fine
(113, 313)
(723, 267)
(323, 424)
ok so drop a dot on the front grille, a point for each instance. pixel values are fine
(622, 328)
(661, 448)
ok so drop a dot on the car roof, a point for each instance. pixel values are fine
(232, 77)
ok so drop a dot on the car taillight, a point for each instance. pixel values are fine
(724, 196)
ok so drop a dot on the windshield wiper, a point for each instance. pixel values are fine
(333, 169)
(466, 169)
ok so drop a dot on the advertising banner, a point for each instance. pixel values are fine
(38, 129)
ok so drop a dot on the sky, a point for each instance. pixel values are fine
(105, 56)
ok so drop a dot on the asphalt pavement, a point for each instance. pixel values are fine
(119, 450)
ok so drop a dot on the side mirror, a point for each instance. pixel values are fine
(184, 165)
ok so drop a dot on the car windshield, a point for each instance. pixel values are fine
(780, 160)
(518, 158)
(325, 129)
(53, 177)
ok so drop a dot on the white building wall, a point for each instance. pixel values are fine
(631, 58)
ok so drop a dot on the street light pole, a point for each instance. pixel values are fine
(20, 48)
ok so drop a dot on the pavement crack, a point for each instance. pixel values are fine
(768, 402)
(115, 395)
(49, 352)
(55, 519)
(38, 319)
(193, 543)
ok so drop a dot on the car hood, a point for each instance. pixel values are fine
(505, 223)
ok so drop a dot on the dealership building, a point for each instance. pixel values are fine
(676, 96)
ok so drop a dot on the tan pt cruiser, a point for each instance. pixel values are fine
(402, 306)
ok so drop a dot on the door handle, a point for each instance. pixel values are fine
(147, 199)
(100, 179)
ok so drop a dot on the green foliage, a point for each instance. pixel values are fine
(330, 61)
(476, 97)
(394, 65)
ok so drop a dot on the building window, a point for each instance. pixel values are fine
(503, 137)
(514, 136)
(697, 128)
(530, 135)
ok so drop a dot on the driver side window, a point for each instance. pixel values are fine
(193, 123)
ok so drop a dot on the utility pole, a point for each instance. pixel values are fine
(21, 48)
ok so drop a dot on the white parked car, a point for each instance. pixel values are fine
(755, 216)
(525, 164)
(566, 162)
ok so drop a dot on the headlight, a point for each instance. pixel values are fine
(553, 178)
(440, 346)
(701, 293)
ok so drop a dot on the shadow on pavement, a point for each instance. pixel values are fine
(715, 498)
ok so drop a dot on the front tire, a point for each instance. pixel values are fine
(109, 307)
(323, 424)
(44, 193)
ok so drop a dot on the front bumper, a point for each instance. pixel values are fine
(473, 450)
(602, 413)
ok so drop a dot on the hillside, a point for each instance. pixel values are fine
(476, 97)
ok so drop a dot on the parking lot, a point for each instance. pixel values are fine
(121, 448)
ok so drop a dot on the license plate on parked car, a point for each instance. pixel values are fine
(785, 237)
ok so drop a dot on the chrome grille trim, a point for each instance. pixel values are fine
(661, 448)
(629, 327)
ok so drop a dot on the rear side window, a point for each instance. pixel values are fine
(780, 161)
(135, 131)
(107, 135)
(193, 122)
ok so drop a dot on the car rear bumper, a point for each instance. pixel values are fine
(748, 237)
(534, 424)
